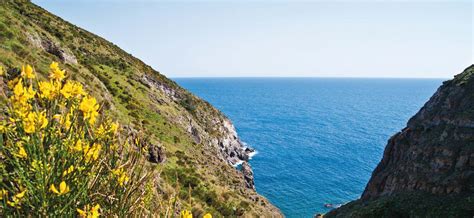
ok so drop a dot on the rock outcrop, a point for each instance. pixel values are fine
(248, 175)
(225, 140)
(427, 169)
(435, 152)
(229, 144)
(52, 47)
(156, 154)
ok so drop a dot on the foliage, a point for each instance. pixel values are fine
(59, 156)
(409, 204)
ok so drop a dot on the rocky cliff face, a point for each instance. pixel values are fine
(435, 152)
(205, 126)
(427, 169)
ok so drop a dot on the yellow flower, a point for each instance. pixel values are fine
(93, 117)
(53, 66)
(72, 89)
(29, 123)
(58, 74)
(20, 98)
(11, 204)
(57, 117)
(20, 195)
(18, 90)
(34, 120)
(16, 199)
(186, 214)
(89, 108)
(41, 120)
(77, 146)
(93, 152)
(47, 90)
(100, 131)
(114, 127)
(68, 171)
(96, 151)
(3, 192)
(27, 72)
(3, 128)
(88, 104)
(30, 93)
(21, 151)
(67, 90)
(89, 212)
(67, 123)
(55, 72)
(82, 213)
(1, 71)
(63, 188)
(207, 215)
(13, 82)
(121, 175)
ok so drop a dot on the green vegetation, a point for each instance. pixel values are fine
(59, 157)
(412, 204)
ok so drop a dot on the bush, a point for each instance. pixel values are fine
(60, 157)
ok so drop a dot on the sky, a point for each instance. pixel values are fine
(230, 38)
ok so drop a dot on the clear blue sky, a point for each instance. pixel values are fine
(284, 38)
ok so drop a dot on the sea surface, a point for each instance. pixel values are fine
(318, 139)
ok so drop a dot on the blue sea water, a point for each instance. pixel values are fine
(318, 139)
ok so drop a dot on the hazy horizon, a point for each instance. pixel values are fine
(321, 39)
(303, 77)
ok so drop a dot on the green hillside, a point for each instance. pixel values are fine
(194, 135)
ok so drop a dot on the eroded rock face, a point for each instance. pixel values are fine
(435, 152)
(52, 47)
(227, 143)
(248, 175)
(230, 146)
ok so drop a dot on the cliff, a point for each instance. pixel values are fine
(199, 142)
(428, 167)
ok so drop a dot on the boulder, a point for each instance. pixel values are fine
(156, 154)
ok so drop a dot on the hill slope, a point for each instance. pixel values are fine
(428, 168)
(199, 142)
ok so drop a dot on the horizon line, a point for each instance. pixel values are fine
(299, 77)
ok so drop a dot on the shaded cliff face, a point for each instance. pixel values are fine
(199, 142)
(427, 169)
(435, 152)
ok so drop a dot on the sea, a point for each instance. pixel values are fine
(318, 139)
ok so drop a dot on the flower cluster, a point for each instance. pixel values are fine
(59, 155)
(188, 214)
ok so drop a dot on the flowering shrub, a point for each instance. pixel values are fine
(59, 156)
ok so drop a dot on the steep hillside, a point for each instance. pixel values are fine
(193, 145)
(428, 168)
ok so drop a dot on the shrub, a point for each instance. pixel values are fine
(60, 157)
